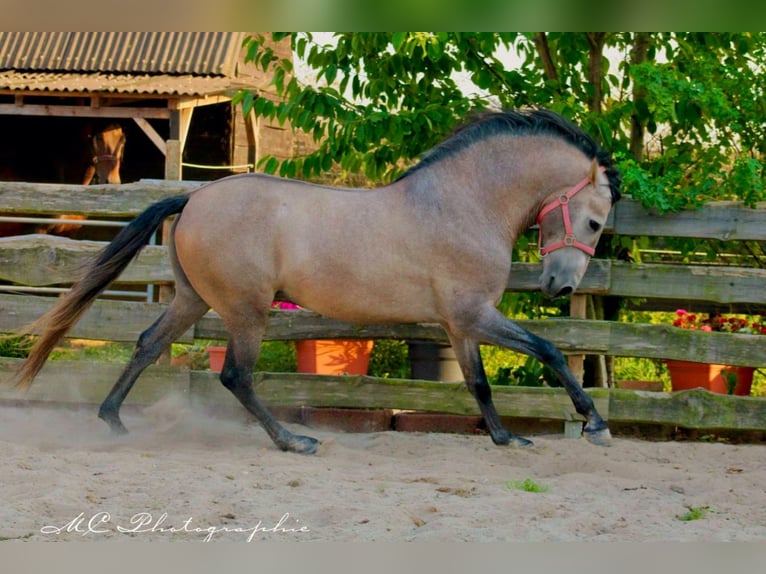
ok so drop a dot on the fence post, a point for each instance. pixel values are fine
(173, 172)
(577, 310)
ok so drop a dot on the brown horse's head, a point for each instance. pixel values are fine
(571, 223)
(107, 147)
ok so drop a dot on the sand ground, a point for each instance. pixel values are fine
(184, 475)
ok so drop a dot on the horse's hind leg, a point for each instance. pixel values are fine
(184, 310)
(469, 358)
(237, 376)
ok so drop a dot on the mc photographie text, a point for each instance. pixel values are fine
(102, 523)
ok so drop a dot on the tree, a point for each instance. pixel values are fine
(682, 112)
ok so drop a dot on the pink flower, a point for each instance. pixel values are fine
(286, 305)
(706, 328)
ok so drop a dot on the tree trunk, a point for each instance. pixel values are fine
(638, 55)
(596, 41)
(541, 43)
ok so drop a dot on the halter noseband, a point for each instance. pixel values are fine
(569, 239)
(105, 157)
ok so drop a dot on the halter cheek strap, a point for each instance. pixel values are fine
(569, 239)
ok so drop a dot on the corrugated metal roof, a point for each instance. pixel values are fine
(163, 84)
(196, 53)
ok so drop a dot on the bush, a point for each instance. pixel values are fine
(277, 357)
(16, 347)
(389, 359)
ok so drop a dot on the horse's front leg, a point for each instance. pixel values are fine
(469, 358)
(491, 326)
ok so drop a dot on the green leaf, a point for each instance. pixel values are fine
(271, 165)
(398, 39)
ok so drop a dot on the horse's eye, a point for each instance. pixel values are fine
(594, 225)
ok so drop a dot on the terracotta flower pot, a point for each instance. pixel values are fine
(688, 375)
(216, 356)
(334, 357)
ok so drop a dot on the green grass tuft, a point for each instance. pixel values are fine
(526, 485)
(694, 513)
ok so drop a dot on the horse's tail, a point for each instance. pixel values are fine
(97, 276)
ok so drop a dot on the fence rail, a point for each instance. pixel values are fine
(44, 261)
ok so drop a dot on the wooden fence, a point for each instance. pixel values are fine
(43, 261)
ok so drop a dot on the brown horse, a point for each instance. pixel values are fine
(434, 246)
(107, 147)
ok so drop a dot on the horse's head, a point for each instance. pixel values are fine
(107, 147)
(571, 223)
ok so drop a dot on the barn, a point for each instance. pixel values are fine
(170, 92)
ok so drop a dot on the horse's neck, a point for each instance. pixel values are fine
(504, 191)
(517, 176)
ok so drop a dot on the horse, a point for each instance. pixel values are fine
(433, 246)
(107, 147)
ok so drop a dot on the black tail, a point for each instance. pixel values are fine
(107, 266)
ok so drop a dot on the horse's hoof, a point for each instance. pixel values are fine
(601, 437)
(521, 442)
(114, 422)
(506, 438)
(302, 444)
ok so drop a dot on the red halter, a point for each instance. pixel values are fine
(569, 240)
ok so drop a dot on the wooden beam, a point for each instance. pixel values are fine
(726, 220)
(173, 159)
(152, 134)
(190, 103)
(124, 200)
(83, 111)
(81, 382)
(184, 123)
(106, 320)
(577, 310)
(43, 260)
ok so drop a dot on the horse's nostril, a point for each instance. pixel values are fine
(564, 291)
(551, 281)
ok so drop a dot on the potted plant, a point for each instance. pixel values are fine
(330, 356)
(725, 379)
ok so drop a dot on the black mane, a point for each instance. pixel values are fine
(537, 121)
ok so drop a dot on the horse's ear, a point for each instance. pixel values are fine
(594, 169)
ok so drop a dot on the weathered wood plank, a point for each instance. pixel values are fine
(123, 200)
(569, 335)
(88, 382)
(106, 320)
(717, 220)
(300, 325)
(79, 382)
(42, 260)
(293, 389)
(715, 284)
(689, 283)
(124, 321)
(727, 220)
(650, 341)
(695, 409)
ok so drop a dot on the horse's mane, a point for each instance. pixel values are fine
(535, 121)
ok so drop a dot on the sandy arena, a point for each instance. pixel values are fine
(182, 475)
